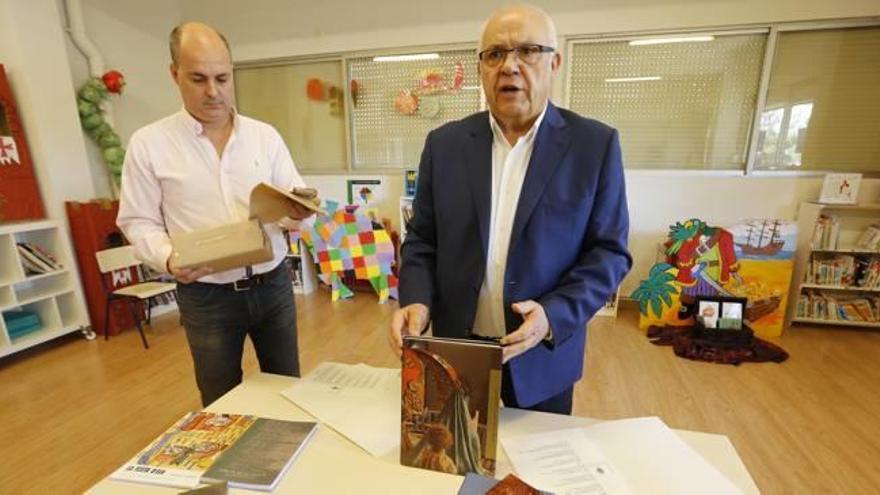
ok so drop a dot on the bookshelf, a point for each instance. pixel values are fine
(406, 208)
(302, 268)
(54, 297)
(830, 285)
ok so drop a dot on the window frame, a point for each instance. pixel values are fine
(343, 58)
(772, 31)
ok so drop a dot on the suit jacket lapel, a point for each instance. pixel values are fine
(551, 144)
(478, 162)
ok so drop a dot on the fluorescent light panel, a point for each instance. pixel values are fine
(632, 79)
(407, 58)
(677, 39)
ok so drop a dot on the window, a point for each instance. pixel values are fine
(305, 103)
(403, 97)
(684, 102)
(823, 102)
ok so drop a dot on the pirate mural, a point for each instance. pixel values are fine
(701, 259)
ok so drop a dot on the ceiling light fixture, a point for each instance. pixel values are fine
(677, 39)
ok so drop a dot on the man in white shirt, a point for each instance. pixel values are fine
(194, 170)
(520, 223)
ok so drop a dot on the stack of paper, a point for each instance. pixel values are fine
(360, 402)
(630, 456)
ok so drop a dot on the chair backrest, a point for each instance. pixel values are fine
(116, 259)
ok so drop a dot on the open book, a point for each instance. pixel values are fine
(247, 451)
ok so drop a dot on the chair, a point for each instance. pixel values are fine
(121, 258)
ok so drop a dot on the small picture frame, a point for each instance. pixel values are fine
(731, 315)
(708, 312)
(840, 189)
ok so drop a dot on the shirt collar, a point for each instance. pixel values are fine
(528, 136)
(190, 122)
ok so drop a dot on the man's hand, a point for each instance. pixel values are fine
(297, 211)
(529, 334)
(408, 320)
(186, 275)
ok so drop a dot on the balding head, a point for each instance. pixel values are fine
(522, 15)
(518, 60)
(201, 65)
(194, 33)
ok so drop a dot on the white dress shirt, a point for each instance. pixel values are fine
(509, 167)
(174, 181)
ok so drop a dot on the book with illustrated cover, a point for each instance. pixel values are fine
(450, 395)
(246, 451)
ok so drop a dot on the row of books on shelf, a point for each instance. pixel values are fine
(37, 260)
(823, 306)
(826, 233)
(870, 238)
(844, 270)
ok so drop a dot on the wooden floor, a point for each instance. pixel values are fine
(73, 410)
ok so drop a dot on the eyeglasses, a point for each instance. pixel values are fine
(529, 54)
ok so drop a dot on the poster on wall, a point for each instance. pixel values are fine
(19, 191)
(366, 194)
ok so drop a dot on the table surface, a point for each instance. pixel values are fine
(330, 463)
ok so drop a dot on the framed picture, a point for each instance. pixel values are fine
(708, 312)
(366, 194)
(840, 189)
(19, 191)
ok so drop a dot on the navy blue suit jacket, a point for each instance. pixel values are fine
(568, 247)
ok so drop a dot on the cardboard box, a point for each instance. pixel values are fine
(238, 244)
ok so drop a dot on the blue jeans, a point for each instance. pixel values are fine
(217, 318)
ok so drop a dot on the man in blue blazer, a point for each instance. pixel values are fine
(520, 221)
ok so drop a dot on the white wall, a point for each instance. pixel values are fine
(133, 39)
(32, 49)
(267, 29)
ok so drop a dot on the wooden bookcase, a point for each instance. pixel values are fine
(853, 220)
(55, 296)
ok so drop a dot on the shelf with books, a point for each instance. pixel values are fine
(837, 269)
(821, 321)
(40, 298)
(853, 288)
(406, 213)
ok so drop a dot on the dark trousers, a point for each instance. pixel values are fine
(560, 403)
(217, 318)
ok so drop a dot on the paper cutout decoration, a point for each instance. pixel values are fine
(347, 240)
(316, 90)
(753, 259)
(459, 76)
(355, 91)
(406, 103)
(429, 107)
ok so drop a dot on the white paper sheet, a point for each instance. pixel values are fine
(638, 456)
(564, 462)
(359, 401)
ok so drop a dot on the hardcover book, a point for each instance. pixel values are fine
(246, 451)
(450, 395)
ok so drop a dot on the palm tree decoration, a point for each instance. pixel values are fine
(657, 290)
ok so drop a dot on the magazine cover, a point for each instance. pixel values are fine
(247, 451)
(450, 394)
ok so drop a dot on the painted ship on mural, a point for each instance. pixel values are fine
(762, 239)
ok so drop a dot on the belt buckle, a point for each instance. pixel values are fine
(245, 285)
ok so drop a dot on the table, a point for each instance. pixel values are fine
(332, 464)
